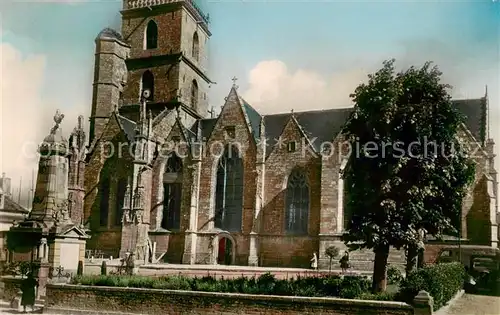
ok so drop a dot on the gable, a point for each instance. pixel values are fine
(115, 126)
(74, 231)
(233, 113)
(324, 125)
(292, 131)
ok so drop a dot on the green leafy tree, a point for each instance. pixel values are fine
(408, 173)
(331, 252)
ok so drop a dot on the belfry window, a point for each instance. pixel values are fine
(148, 83)
(229, 191)
(297, 203)
(172, 193)
(151, 35)
(196, 47)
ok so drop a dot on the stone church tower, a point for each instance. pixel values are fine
(146, 77)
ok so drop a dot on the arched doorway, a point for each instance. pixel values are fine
(225, 254)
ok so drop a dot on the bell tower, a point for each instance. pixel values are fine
(168, 40)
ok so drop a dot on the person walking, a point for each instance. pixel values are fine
(28, 288)
(314, 262)
(344, 262)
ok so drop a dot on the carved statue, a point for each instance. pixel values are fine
(61, 215)
(138, 216)
(126, 216)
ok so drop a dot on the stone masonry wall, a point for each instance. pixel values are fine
(231, 115)
(276, 247)
(69, 299)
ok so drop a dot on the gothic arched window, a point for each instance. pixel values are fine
(104, 202)
(194, 94)
(196, 47)
(229, 191)
(151, 35)
(172, 193)
(148, 83)
(120, 199)
(345, 204)
(297, 203)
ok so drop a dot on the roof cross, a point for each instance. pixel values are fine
(234, 79)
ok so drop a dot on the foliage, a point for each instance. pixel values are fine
(104, 268)
(394, 275)
(441, 281)
(79, 271)
(17, 268)
(410, 172)
(333, 286)
(332, 252)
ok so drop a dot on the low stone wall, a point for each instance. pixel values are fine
(76, 299)
(9, 287)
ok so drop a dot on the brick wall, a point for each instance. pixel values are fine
(72, 299)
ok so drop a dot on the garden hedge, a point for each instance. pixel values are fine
(327, 286)
(441, 281)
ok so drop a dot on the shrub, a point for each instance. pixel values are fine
(441, 281)
(394, 275)
(79, 271)
(347, 287)
(104, 269)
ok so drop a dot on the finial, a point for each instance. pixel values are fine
(80, 122)
(486, 91)
(234, 79)
(292, 111)
(58, 117)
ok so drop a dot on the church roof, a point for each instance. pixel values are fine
(128, 127)
(324, 125)
(475, 116)
(109, 33)
(12, 206)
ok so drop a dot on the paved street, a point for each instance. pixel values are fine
(470, 304)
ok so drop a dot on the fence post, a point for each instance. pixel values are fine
(423, 304)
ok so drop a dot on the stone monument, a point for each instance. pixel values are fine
(48, 232)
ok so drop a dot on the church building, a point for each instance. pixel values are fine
(167, 181)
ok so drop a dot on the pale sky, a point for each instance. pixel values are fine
(287, 55)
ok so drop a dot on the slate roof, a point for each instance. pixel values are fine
(474, 111)
(12, 206)
(128, 127)
(324, 125)
(109, 33)
(254, 118)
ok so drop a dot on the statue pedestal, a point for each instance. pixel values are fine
(43, 279)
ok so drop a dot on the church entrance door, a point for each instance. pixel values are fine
(225, 254)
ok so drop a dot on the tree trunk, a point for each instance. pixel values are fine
(330, 268)
(380, 269)
(420, 260)
(411, 258)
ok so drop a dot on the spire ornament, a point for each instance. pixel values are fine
(234, 79)
(58, 117)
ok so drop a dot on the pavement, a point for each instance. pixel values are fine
(471, 304)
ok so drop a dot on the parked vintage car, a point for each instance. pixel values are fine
(482, 264)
